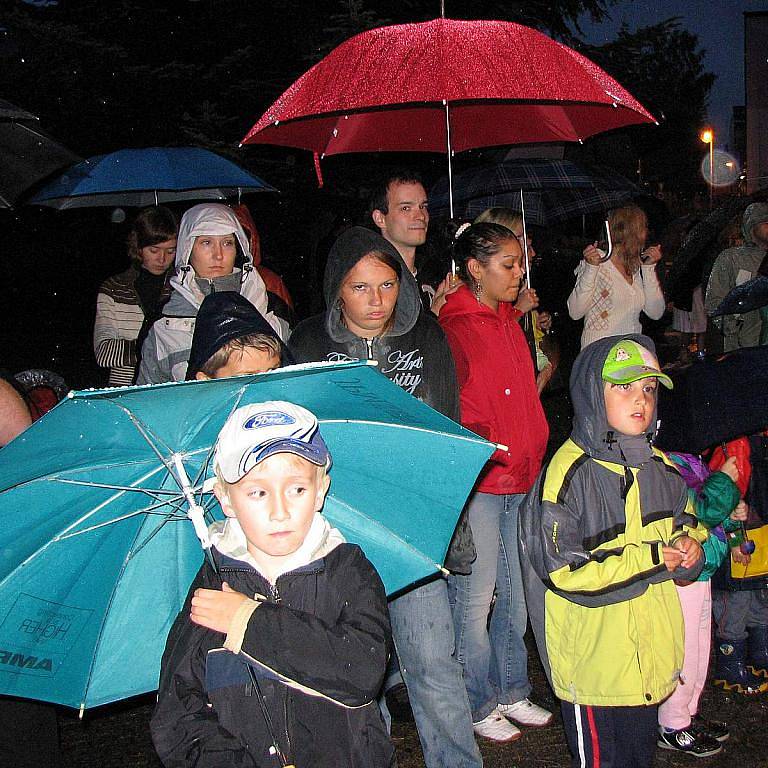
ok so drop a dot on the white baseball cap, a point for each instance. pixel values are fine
(256, 431)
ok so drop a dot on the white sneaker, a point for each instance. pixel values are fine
(526, 712)
(497, 728)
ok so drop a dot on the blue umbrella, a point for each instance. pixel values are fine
(96, 499)
(149, 176)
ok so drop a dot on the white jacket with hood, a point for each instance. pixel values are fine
(166, 350)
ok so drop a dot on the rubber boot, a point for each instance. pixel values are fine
(731, 671)
(758, 650)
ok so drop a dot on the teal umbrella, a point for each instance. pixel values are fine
(103, 500)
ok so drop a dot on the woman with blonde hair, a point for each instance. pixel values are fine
(611, 294)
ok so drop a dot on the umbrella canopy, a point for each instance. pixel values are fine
(715, 400)
(554, 190)
(98, 549)
(27, 155)
(141, 177)
(753, 294)
(393, 88)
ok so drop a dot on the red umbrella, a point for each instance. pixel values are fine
(446, 85)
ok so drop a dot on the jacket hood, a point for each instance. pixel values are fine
(214, 219)
(348, 249)
(223, 317)
(756, 213)
(249, 225)
(208, 219)
(591, 431)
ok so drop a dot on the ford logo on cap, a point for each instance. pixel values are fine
(269, 419)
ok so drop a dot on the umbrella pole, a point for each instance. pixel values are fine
(525, 241)
(450, 170)
(450, 161)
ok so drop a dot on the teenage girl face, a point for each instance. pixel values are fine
(213, 255)
(502, 277)
(368, 296)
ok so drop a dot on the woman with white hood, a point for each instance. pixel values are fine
(210, 240)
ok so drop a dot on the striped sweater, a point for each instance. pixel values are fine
(119, 318)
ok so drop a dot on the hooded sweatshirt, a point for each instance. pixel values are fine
(414, 353)
(602, 604)
(166, 350)
(316, 640)
(733, 267)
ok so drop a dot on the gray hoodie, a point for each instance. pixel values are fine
(733, 267)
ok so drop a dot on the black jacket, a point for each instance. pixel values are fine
(414, 354)
(324, 626)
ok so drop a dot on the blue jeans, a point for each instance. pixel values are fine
(495, 659)
(422, 630)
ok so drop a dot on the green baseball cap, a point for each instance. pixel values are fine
(629, 361)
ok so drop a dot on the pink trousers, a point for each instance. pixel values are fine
(696, 602)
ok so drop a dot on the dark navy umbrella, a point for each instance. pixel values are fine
(140, 177)
(744, 298)
(554, 190)
(714, 401)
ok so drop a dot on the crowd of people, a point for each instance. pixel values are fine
(288, 651)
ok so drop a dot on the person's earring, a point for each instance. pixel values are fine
(478, 287)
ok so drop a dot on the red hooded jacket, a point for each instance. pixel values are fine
(498, 393)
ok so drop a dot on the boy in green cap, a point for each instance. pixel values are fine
(604, 531)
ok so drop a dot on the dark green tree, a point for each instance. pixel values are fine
(663, 67)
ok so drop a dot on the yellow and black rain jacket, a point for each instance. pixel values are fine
(604, 609)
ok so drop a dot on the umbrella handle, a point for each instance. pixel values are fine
(194, 512)
(609, 241)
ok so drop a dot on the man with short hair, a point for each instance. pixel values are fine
(399, 208)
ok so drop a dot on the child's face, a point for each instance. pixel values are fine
(629, 408)
(275, 503)
(246, 361)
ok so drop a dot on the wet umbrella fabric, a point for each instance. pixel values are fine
(27, 154)
(150, 176)
(389, 89)
(751, 295)
(715, 400)
(554, 190)
(98, 551)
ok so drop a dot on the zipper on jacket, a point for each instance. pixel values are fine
(275, 595)
(369, 344)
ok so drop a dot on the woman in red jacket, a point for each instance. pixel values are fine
(499, 401)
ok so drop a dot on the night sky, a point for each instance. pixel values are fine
(720, 29)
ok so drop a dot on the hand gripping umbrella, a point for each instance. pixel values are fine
(446, 86)
(96, 500)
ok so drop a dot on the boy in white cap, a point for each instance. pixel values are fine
(279, 652)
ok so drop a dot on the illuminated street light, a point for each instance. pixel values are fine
(708, 137)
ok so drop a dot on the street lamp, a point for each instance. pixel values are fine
(708, 137)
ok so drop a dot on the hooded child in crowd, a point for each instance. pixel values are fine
(232, 338)
(212, 255)
(604, 531)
